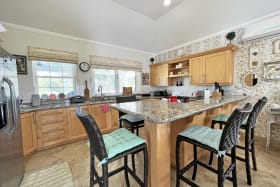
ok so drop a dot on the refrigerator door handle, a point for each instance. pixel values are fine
(14, 103)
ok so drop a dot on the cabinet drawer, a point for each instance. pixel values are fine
(72, 111)
(53, 136)
(53, 120)
(52, 128)
(51, 113)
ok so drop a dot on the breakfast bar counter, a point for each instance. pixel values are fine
(164, 120)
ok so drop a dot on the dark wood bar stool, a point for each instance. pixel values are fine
(134, 122)
(110, 147)
(249, 126)
(214, 140)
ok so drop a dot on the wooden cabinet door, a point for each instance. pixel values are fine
(103, 119)
(75, 127)
(159, 75)
(218, 68)
(163, 72)
(154, 77)
(29, 135)
(197, 70)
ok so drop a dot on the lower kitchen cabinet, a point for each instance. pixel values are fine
(102, 117)
(76, 129)
(52, 127)
(29, 135)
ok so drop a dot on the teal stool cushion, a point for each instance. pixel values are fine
(130, 118)
(119, 141)
(224, 118)
(204, 135)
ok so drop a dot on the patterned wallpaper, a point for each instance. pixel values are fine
(268, 88)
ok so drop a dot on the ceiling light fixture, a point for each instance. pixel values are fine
(166, 2)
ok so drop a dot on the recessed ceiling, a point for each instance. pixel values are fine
(110, 22)
(151, 8)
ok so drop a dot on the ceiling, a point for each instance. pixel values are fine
(151, 8)
(112, 22)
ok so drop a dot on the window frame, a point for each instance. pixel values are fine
(36, 76)
(118, 91)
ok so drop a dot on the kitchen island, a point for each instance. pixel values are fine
(163, 121)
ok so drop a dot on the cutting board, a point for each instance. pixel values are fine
(86, 92)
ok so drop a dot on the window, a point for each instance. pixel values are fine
(54, 77)
(113, 81)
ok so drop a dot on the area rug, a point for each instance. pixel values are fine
(55, 176)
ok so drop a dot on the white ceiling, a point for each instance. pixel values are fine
(151, 8)
(110, 22)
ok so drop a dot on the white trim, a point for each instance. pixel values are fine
(20, 27)
(221, 32)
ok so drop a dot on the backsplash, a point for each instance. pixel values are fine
(268, 88)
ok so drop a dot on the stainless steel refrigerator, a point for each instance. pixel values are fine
(11, 151)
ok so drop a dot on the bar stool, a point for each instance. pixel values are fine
(110, 147)
(214, 140)
(134, 122)
(249, 126)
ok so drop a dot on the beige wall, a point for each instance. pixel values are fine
(16, 40)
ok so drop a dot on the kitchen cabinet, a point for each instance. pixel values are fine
(178, 70)
(215, 67)
(76, 129)
(159, 75)
(102, 118)
(28, 131)
(52, 128)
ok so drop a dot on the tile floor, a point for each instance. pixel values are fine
(77, 156)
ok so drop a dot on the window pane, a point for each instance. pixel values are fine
(56, 70)
(56, 82)
(68, 82)
(44, 82)
(57, 90)
(105, 78)
(127, 79)
(68, 69)
(54, 77)
(43, 68)
(44, 90)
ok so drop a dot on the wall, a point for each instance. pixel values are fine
(270, 89)
(16, 40)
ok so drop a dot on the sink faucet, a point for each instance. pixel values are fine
(100, 90)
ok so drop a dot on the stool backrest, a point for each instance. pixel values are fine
(123, 99)
(251, 123)
(97, 145)
(230, 132)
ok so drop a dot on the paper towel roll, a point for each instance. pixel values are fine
(206, 93)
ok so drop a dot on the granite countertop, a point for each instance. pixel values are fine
(28, 108)
(158, 111)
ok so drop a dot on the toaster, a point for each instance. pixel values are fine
(77, 99)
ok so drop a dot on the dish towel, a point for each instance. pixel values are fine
(105, 108)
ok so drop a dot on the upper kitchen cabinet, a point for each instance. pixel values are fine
(159, 75)
(213, 66)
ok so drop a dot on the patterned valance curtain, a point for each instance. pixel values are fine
(36, 53)
(114, 63)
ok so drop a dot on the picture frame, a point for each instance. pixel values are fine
(276, 46)
(145, 78)
(254, 57)
(21, 64)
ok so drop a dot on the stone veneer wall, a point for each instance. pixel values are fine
(268, 88)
